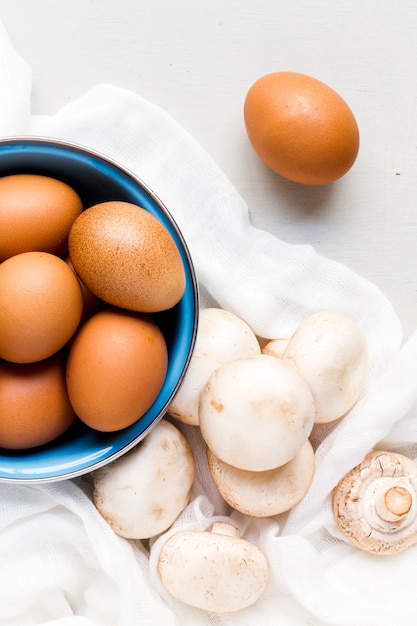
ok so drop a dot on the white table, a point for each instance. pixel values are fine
(197, 59)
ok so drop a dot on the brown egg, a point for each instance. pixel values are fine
(116, 367)
(34, 404)
(40, 306)
(127, 257)
(36, 213)
(301, 128)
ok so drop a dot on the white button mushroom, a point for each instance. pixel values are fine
(221, 337)
(215, 571)
(256, 413)
(142, 493)
(262, 494)
(375, 504)
(330, 352)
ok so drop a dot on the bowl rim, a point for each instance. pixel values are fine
(114, 163)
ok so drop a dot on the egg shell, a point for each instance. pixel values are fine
(34, 404)
(301, 128)
(36, 213)
(116, 366)
(127, 257)
(40, 306)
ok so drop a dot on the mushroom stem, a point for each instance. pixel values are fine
(395, 504)
(375, 503)
(223, 528)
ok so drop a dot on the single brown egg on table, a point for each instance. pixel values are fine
(34, 404)
(116, 366)
(126, 257)
(301, 128)
(41, 305)
(36, 213)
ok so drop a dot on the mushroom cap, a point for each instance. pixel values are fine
(263, 494)
(256, 413)
(142, 493)
(221, 337)
(375, 503)
(330, 352)
(224, 336)
(213, 571)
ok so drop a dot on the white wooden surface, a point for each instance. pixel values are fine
(197, 59)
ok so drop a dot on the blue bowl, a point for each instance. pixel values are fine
(98, 179)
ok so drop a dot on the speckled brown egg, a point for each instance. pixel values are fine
(116, 367)
(41, 305)
(34, 404)
(36, 213)
(127, 257)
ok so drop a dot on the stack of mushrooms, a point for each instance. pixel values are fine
(256, 408)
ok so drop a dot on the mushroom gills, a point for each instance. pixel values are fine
(375, 505)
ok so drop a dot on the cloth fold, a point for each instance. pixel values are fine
(60, 563)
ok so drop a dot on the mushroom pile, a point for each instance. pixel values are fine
(256, 408)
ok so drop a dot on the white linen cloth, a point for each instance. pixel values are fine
(60, 563)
